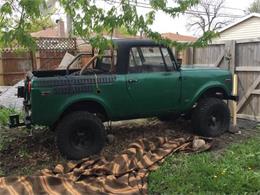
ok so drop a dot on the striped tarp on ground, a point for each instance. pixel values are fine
(125, 174)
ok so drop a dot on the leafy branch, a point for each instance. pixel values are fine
(90, 22)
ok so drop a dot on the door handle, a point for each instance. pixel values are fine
(132, 81)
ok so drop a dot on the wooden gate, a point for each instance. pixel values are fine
(247, 60)
(240, 57)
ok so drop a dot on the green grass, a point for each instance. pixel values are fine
(4, 115)
(5, 142)
(236, 171)
(5, 138)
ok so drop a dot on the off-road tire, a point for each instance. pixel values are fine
(80, 134)
(211, 117)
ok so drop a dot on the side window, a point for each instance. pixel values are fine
(146, 59)
(135, 62)
(167, 57)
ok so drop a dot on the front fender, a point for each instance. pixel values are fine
(207, 86)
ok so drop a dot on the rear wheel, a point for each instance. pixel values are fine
(211, 117)
(80, 134)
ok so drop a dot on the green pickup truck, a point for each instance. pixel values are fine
(135, 79)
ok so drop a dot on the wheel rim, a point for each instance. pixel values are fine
(82, 138)
(215, 120)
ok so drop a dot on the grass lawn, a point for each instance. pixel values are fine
(4, 115)
(235, 171)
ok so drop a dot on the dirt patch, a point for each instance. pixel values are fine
(246, 129)
(22, 154)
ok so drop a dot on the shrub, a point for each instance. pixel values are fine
(4, 115)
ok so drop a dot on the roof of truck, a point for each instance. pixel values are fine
(134, 42)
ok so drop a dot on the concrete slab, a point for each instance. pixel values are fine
(8, 97)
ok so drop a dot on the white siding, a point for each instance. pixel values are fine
(249, 29)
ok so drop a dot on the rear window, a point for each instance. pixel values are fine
(107, 63)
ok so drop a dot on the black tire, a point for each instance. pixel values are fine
(211, 117)
(80, 134)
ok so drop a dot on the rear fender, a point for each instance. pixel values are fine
(79, 98)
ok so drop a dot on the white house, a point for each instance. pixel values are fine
(246, 28)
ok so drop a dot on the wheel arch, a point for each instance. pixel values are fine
(218, 91)
(89, 105)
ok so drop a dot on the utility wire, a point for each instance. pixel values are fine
(147, 6)
(188, 12)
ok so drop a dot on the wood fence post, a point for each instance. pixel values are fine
(230, 49)
(232, 52)
(38, 60)
(33, 58)
(191, 55)
(234, 103)
(1, 70)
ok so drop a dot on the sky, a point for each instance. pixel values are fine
(164, 23)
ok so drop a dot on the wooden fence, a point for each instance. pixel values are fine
(13, 66)
(50, 51)
(240, 57)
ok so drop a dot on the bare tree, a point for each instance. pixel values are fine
(255, 7)
(207, 16)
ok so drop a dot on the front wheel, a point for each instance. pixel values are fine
(211, 117)
(80, 134)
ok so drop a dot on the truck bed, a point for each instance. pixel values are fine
(52, 73)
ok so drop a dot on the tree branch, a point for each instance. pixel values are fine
(206, 15)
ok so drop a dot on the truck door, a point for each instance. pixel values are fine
(152, 81)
